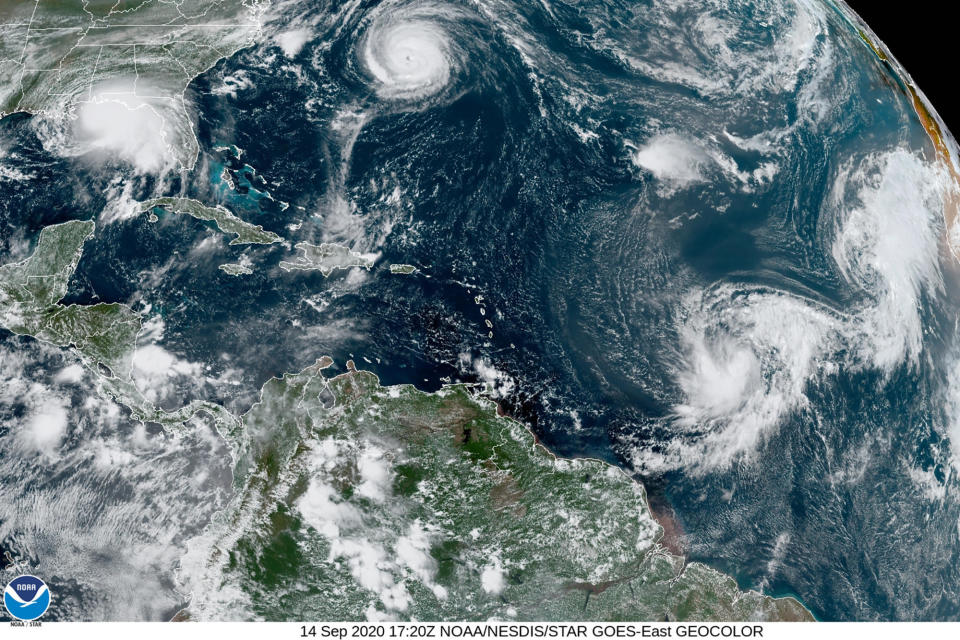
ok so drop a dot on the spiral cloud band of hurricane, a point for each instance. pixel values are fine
(748, 353)
(710, 244)
(408, 52)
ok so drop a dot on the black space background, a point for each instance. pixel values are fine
(923, 37)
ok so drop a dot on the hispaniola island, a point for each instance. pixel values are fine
(476, 311)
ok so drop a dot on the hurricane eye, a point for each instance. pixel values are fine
(407, 55)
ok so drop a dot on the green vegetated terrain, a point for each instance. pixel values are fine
(223, 218)
(358, 501)
(362, 501)
(326, 258)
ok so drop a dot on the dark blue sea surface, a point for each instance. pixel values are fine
(586, 203)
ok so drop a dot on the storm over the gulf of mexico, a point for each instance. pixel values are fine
(710, 244)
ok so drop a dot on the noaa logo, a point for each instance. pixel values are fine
(26, 598)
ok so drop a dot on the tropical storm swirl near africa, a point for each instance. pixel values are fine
(485, 310)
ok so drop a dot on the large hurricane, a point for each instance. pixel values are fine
(408, 52)
(265, 270)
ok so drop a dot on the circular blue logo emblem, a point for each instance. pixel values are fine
(26, 598)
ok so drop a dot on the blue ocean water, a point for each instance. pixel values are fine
(623, 187)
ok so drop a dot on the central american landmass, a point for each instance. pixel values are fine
(355, 500)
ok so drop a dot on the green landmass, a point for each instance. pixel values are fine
(236, 269)
(103, 335)
(402, 269)
(227, 222)
(358, 501)
(30, 291)
(326, 258)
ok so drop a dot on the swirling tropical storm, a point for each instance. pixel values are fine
(289, 289)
